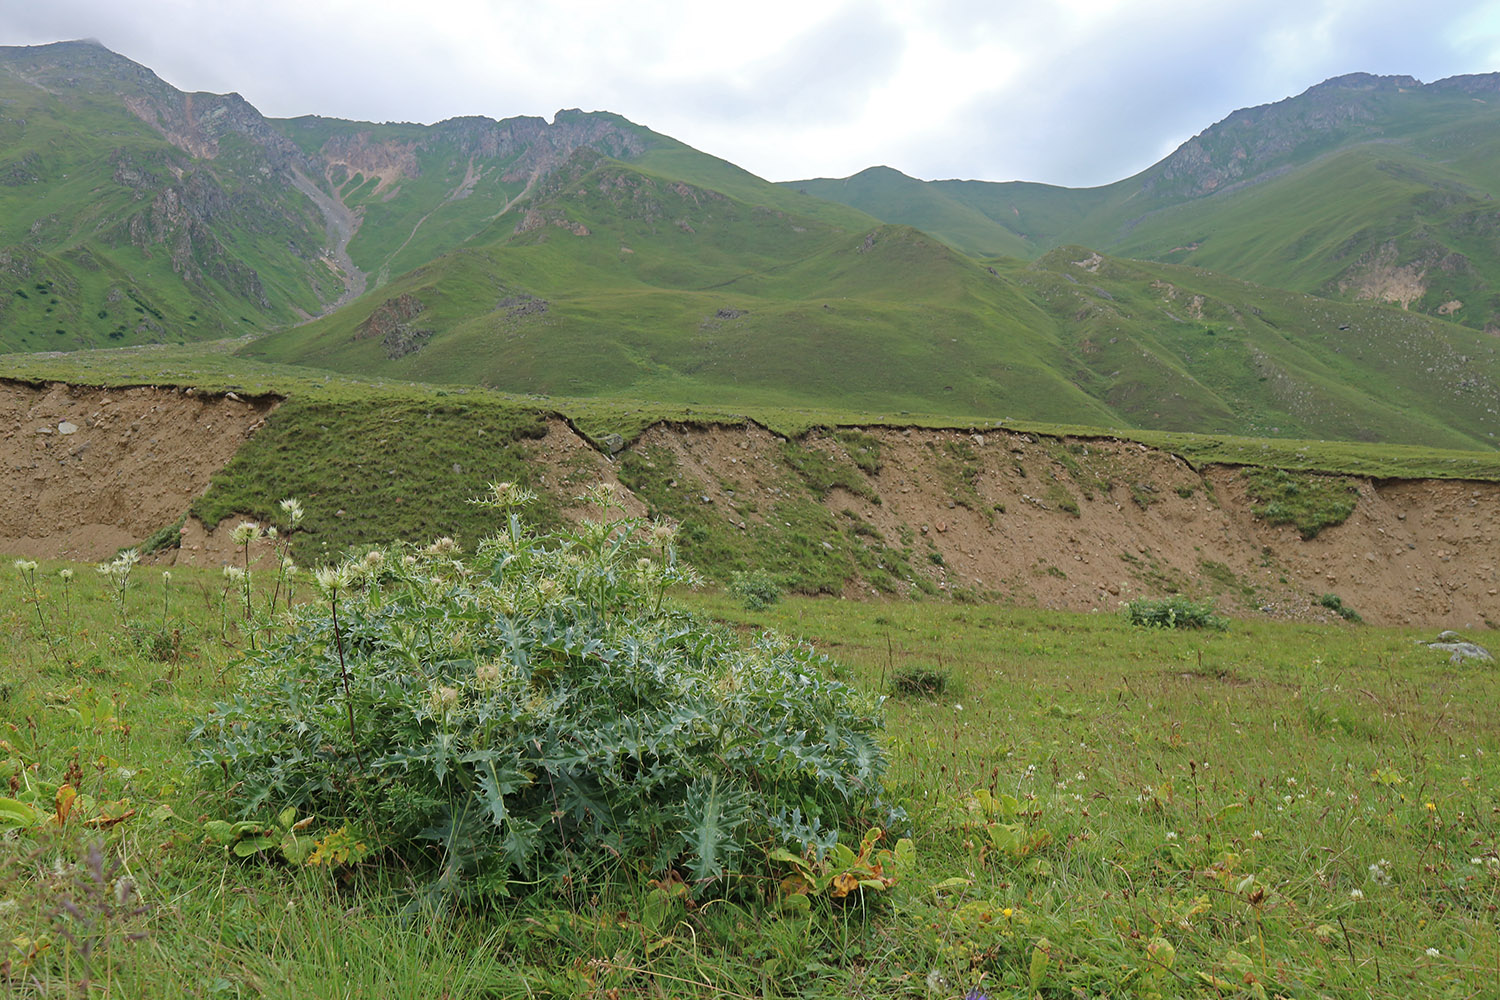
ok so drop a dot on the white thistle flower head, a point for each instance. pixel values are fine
(506, 495)
(65, 574)
(166, 576)
(244, 533)
(1434, 953)
(1356, 894)
(374, 559)
(25, 566)
(444, 699)
(643, 565)
(442, 546)
(234, 573)
(546, 588)
(332, 579)
(127, 559)
(271, 532)
(604, 495)
(662, 533)
(408, 560)
(292, 508)
(487, 674)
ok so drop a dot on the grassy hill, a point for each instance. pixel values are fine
(619, 282)
(1361, 188)
(592, 258)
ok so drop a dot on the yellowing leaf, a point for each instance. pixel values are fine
(843, 884)
(64, 803)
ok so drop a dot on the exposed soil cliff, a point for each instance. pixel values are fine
(89, 471)
(1078, 524)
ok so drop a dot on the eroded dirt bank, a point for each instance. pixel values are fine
(89, 471)
(1067, 524)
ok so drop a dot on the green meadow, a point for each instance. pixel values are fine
(1092, 809)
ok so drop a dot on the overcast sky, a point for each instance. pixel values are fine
(1076, 92)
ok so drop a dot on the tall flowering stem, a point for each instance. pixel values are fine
(331, 581)
(27, 569)
(245, 533)
(292, 508)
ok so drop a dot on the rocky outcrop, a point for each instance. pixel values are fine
(391, 322)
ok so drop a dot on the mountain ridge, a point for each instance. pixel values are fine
(594, 256)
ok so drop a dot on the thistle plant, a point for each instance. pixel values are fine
(66, 576)
(117, 576)
(537, 714)
(27, 569)
(243, 535)
(330, 581)
(291, 509)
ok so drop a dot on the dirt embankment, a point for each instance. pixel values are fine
(1068, 524)
(89, 471)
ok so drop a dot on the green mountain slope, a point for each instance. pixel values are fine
(624, 282)
(1363, 187)
(590, 257)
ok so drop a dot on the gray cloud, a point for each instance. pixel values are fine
(1079, 94)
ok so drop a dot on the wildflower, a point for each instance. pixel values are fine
(505, 495)
(1430, 807)
(1257, 835)
(444, 699)
(272, 533)
(1007, 913)
(331, 580)
(166, 576)
(442, 546)
(374, 559)
(1171, 834)
(1356, 895)
(487, 674)
(1433, 953)
(663, 533)
(975, 994)
(244, 533)
(25, 566)
(604, 494)
(233, 573)
(65, 575)
(293, 510)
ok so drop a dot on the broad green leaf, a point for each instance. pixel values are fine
(18, 814)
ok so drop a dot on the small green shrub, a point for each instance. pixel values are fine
(1307, 501)
(536, 716)
(1174, 612)
(864, 450)
(166, 537)
(1336, 604)
(921, 682)
(757, 589)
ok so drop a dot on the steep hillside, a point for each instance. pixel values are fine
(131, 212)
(1171, 346)
(620, 282)
(1363, 187)
(592, 257)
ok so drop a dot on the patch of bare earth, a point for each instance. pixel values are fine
(1077, 524)
(93, 470)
